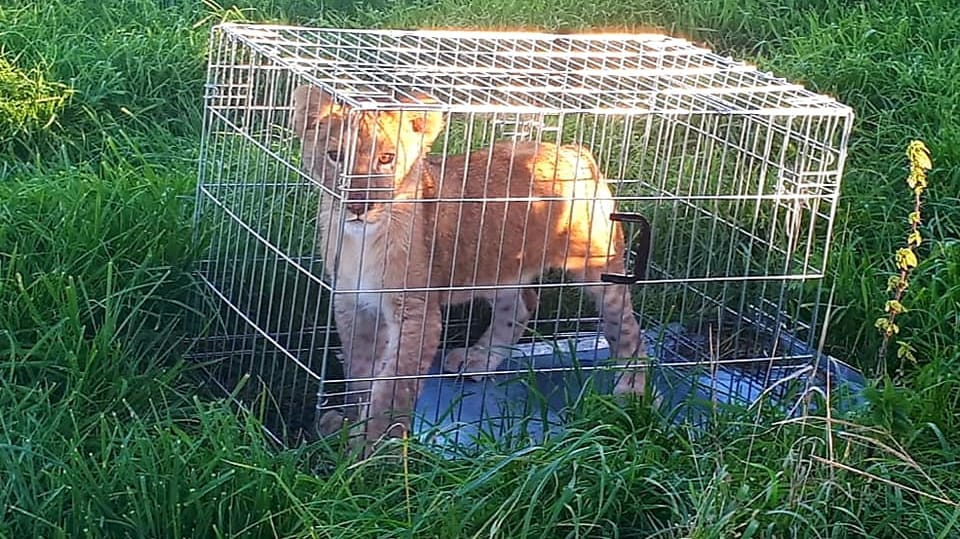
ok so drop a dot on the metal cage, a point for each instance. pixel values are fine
(724, 180)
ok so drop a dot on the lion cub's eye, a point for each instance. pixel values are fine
(334, 155)
(386, 158)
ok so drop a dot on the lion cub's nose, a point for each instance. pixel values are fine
(357, 208)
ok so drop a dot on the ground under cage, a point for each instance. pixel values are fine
(480, 227)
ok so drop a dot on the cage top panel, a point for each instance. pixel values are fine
(524, 72)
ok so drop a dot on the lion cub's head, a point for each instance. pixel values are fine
(369, 154)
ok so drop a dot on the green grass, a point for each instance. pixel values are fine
(101, 434)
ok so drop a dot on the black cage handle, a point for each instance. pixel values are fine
(642, 244)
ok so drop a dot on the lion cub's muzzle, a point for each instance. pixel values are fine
(367, 198)
(358, 208)
(366, 208)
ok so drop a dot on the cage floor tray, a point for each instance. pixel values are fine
(540, 381)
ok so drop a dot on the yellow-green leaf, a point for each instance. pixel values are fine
(905, 351)
(894, 307)
(893, 282)
(914, 238)
(913, 177)
(919, 155)
(906, 259)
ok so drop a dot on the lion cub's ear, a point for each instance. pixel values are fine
(429, 124)
(310, 105)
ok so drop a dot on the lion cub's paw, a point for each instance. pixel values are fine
(331, 422)
(471, 362)
(634, 382)
(631, 382)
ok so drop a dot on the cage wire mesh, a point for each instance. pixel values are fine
(723, 179)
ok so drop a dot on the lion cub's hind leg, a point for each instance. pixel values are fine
(620, 328)
(511, 311)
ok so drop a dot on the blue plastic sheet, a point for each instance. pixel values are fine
(456, 413)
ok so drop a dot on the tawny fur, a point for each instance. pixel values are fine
(405, 227)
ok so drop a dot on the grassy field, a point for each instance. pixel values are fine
(101, 434)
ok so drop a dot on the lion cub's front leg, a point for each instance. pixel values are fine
(363, 337)
(415, 320)
(394, 392)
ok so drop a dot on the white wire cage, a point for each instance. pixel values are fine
(723, 183)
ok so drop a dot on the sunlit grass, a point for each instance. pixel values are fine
(102, 431)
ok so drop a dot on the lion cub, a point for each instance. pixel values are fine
(427, 232)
